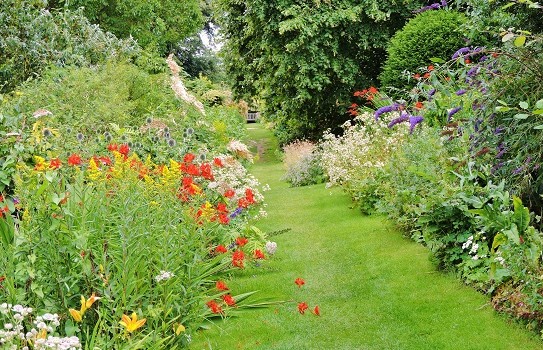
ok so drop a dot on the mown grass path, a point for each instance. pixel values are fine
(375, 289)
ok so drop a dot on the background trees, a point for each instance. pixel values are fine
(305, 59)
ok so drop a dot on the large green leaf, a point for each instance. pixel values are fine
(521, 214)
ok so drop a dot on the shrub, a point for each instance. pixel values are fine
(431, 34)
(302, 161)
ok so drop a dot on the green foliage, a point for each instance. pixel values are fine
(32, 38)
(161, 24)
(197, 59)
(303, 59)
(431, 34)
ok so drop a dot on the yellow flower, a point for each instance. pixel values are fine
(77, 316)
(132, 323)
(179, 329)
(86, 304)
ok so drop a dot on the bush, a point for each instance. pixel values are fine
(302, 161)
(431, 34)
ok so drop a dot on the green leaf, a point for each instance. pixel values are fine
(538, 127)
(521, 116)
(504, 7)
(513, 234)
(519, 41)
(502, 109)
(503, 103)
(521, 214)
(523, 104)
(539, 104)
(499, 239)
(538, 111)
(437, 60)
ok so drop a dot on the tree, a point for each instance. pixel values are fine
(305, 58)
(159, 23)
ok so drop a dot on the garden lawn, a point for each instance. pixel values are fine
(375, 288)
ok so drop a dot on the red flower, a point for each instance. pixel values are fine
(249, 196)
(221, 207)
(188, 158)
(467, 60)
(242, 203)
(416, 76)
(215, 308)
(241, 241)
(430, 68)
(192, 169)
(55, 163)
(229, 300)
(124, 149)
(302, 307)
(419, 105)
(224, 219)
(373, 90)
(112, 147)
(426, 75)
(229, 193)
(237, 258)
(221, 249)
(220, 285)
(74, 160)
(299, 282)
(317, 311)
(218, 162)
(258, 254)
(205, 170)
(105, 160)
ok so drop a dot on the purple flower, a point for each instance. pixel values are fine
(443, 3)
(499, 130)
(403, 118)
(483, 58)
(501, 153)
(461, 92)
(478, 123)
(431, 92)
(386, 109)
(518, 170)
(461, 52)
(473, 71)
(413, 121)
(496, 167)
(435, 6)
(453, 112)
(236, 212)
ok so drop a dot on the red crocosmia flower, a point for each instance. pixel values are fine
(353, 106)
(224, 219)
(205, 170)
(430, 68)
(467, 60)
(419, 105)
(249, 196)
(243, 203)
(221, 249)
(353, 112)
(188, 158)
(416, 76)
(317, 311)
(258, 254)
(215, 308)
(218, 162)
(241, 241)
(237, 258)
(112, 147)
(124, 149)
(299, 282)
(302, 307)
(229, 193)
(426, 75)
(220, 285)
(192, 169)
(372, 90)
(74, 160)
(221, 208)
(229, 300)
(55, 163)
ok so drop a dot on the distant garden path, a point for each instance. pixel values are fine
(375, 289)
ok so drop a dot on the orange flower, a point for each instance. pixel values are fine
(372, 90)
(221, 249)
(132, 323)
(55, 163)
(241, 241)
(430, 68)
(299, 282)
(416, 76)
(220, 285)
(237, 258)
(124, 149)
(229, 193)
(317, 311)
(419, 105)
(258, 254)
(218, 162)
(302, 307)
(74, 160)
(112, 147)
(229, 300)
(215, 308)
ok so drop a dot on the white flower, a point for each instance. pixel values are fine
(164, 275)
(475, 257)
(8, 326)
(271, 247)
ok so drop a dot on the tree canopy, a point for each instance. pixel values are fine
(160, 23)
(305, 58)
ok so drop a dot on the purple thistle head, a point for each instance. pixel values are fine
(453, 112)
(413, 121)
(460, 92)
(403, 118)
(499, 130)
(386, 109)
(461, 52)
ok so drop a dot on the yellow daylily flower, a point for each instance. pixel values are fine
(179, 329)
(86, 304)
(132, 323)
(77, 316)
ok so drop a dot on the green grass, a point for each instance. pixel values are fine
(375, 289)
